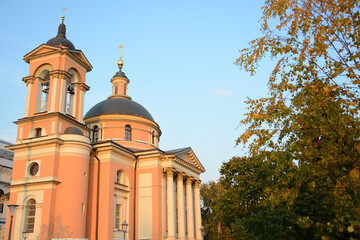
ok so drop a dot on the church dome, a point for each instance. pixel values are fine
(73, 130)
(60, 39)
(119, 106)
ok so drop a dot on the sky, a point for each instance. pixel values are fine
(178, 55)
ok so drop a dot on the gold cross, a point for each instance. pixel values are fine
(121, 46)
(63, 16)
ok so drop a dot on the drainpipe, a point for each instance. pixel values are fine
(136, 163)
(97, 196)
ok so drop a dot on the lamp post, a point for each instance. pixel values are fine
(12, 210)
(25, 234)
(124, 227)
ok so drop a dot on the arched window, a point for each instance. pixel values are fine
(70, 99)
(95, 133)
(124, 89)
(153, 137)
(43, 93)
(30, 215)
(127, 133)
(38, 132)
(116, 89)
(118, 177)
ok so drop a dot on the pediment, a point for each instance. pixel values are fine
(40, 51)
(188, 156)
(44, 50)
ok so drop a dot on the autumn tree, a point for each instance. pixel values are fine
(309, 120)
(210, 214)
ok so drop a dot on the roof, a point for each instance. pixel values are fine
(60, 39)
(6, 154)
(178, 150)
(120, 74)
(73, 130)
(118, 106)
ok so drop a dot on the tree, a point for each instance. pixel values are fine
(210, 196)
(309, 121)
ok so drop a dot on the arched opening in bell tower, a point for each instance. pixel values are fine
(43, 91)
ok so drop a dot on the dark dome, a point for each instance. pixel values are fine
(120, 74)
(61, 39)
(118, 106)
(73, 130)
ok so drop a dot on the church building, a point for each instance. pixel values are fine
(79, 176)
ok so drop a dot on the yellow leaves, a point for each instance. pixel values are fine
(312, 186)
(247, 134)
(355, 175)
(339, 188)
(350, 229)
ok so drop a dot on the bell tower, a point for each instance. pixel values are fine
(52, 150)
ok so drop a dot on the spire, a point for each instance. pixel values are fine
(60, 39)
(120, 62)
(62, 28)
(119, 80)
(63, 16)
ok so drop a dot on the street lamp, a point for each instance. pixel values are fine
(12, 210)
(124, 227)
(25, 234)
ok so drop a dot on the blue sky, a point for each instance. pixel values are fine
(178, 56)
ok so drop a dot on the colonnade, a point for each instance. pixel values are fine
(189, 229)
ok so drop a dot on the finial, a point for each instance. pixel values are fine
(63, 16)
(120, 62)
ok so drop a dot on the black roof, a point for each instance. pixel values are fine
(73, 130)
(120, 74)
(61, 39)
(118, 106)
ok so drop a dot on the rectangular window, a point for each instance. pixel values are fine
(30, 221)
(118, 210)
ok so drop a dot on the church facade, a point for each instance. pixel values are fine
(79, 176)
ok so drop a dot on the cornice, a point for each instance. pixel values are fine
(37, 142)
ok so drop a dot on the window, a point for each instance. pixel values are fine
(118, 177)
(153, 137)
(70, 99)
(34, 169)
(38, 132)
(44, 93)
(127, 133)
(30, 215)
(95, 133)
(118, 210)
(116, 89)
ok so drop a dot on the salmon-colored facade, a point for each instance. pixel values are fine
(81, 177)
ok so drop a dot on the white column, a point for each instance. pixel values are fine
(164, 203)
(170, 202)
(63, 92)
(54, 93)
(29, 85)
(181, 206)
(80, 110)
(197, 210)
(189, 209)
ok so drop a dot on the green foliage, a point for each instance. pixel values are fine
(210, 197)
(301, 178)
